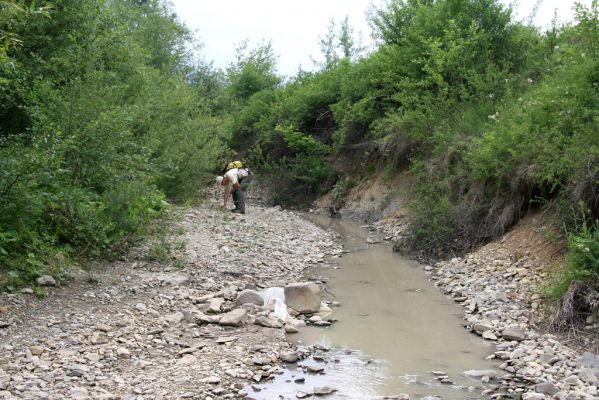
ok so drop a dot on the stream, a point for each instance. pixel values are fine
(394, 330)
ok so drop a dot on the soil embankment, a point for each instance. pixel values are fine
(146, 330)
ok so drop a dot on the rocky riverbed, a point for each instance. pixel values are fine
(146, 330)
(199, 329)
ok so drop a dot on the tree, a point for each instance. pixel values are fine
(253, 71)
(338, 44)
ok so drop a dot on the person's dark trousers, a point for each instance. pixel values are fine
(239, 194)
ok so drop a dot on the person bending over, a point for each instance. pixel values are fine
(239, 179)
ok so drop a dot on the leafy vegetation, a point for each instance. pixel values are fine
(98, 127)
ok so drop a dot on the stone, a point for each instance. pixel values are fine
(482, 327)
(187, 359)
(36, 350)
(477, 374)
(315, 368)
(514, 333)
(215, 304)
(289, 357)
(123, 352)
(225, 339)
(46, 280)
(489, 335)
(77, 370)
(303, 297)
(533, 396)
(234, 318)
(268, 322)
(547, 388)
(79, 393)
(249, 296)
(174, 319)
(211, 379)
(322, 390)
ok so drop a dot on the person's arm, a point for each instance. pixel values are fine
(226, 197)
(236, 186)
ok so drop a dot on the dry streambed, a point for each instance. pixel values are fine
(148, 331)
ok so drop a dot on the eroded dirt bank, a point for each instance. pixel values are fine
(152, 331)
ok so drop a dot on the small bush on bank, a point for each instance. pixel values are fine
(576, 289)
(582, 260)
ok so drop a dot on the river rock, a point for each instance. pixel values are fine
(514, 333)
(215, 304)
(322, 390)
(211, 379)
(234, 318)
(315, 368)
(483, 326)
(289, 357)
(46, 280)
(225, 339)
(589, 360)
(249, 296)
(533, 396)
(489, 335)
(477, 374)
(547, 388)
(303, 297)
(79, 393)
(174, 319)
(269, 322)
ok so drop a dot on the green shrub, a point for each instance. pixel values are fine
(582, 260)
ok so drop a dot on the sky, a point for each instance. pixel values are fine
(295, 27)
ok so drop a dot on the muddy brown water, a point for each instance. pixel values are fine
(394, 329)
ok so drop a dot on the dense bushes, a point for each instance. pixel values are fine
(98, 123)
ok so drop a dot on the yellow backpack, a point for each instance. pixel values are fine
(234, 164)
(231, 165)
